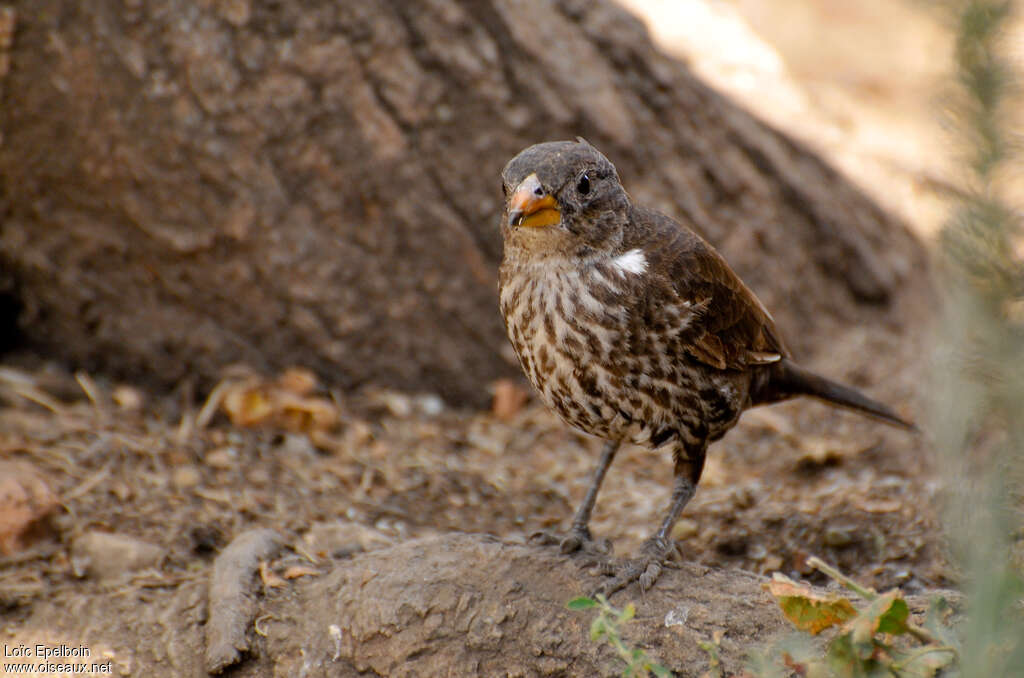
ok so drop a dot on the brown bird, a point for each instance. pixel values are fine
(633, 328)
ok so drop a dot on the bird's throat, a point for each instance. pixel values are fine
(544, 217)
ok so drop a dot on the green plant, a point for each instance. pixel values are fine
(606, 626)
(977, 408)
(712, 647)
(979, 375)
(877, 639)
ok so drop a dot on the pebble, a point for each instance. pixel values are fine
(128, 398)
(757, 552)
(343, 538)
(105, 556)
(838, 536)
(221, 458)
(186, 477)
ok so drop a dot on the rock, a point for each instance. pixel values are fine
(340, 539)
(186, 477)
(231, 603)
(319, 179)
(454, 605)
(107, 556)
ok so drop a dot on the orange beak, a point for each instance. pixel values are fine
(531, 206)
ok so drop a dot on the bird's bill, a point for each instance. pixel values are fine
(531, 206)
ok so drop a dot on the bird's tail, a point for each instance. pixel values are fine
(787, 379)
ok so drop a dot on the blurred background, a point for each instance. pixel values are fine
(248, 258)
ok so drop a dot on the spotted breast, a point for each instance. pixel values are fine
(603, 343)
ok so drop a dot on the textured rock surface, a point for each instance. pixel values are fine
(189, 184)
(460, 605)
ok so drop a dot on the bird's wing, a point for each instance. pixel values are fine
(730, 328)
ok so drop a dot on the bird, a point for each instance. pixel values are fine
(633, 328)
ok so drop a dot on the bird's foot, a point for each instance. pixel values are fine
(644, 569)
(577, 541)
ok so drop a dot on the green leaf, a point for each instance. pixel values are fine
(659, 670)
(841, 658)
(894, 620)
(581, 603)
(922, 662)
(936, 621)
(628, 613)
(887, 613)
(805, 608)
(845, 660)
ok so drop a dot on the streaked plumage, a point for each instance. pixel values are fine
(634, 328)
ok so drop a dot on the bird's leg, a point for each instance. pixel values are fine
(579, 537)
(645, 569)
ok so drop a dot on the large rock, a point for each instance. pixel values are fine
(190, 183)
(455, 605)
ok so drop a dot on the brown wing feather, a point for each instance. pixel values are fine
(734, 328)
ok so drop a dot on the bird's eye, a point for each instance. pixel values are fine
(583, 185)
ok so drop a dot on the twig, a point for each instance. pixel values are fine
(40, 398)
(92, 392)
(918, 632)
(819, 564)
(299, 549)
(231, 609)
(213, 401)
(86, 485)
(256, 624)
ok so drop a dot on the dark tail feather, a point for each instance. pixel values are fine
(787, 379)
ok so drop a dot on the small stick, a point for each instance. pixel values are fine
(918, 632)
(231, 607)
(819, 564)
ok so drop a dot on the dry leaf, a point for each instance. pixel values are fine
(25, 499)
(509, 399)
(807, 609)
(284, 403)
(298, 380)
(247, 404)
(302, 415)
(888, 613)
(270, 578)
(296, 571)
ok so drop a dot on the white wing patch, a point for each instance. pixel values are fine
(632, 261)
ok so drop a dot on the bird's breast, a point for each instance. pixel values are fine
(607, 353)
(582, 313)
(571, 328)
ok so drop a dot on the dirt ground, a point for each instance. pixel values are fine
(336, 475)
(179, 475)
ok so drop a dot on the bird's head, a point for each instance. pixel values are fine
(562, 198)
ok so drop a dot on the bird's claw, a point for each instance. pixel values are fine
(645, 569)
(578, 540)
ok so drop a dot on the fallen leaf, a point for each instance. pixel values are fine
(296, 571)
(923, 662)
(301, 415)
(509, 399)
(270, 578)
(807, 609)
(254, 401)
(25, 499)
(247, 404)
(298, 380)
(887, 613)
